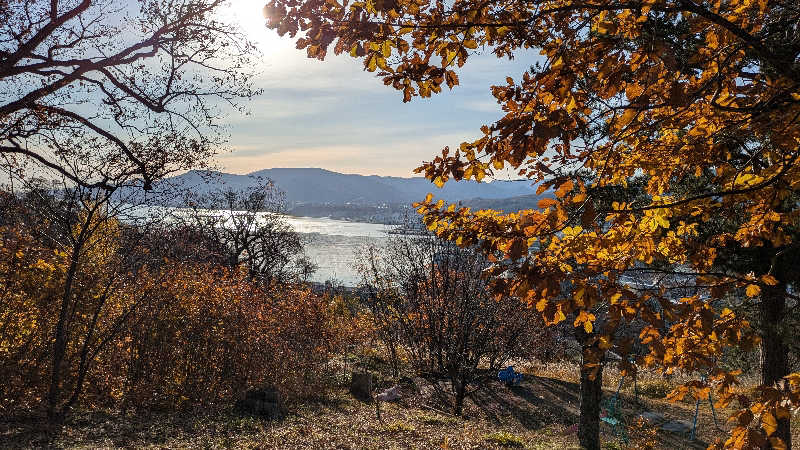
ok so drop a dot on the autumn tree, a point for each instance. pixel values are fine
(73, 242)
(110, 92)
(139, 317)
(104, 94)
(676, 90)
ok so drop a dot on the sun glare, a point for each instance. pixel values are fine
(247, 14)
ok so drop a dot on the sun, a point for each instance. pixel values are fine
(247, 14)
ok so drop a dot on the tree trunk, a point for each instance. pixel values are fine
(591, 392)
(774, 363)
(591, 395)
(393, 358)
(54, 416)
(459, 390)
(459, 406)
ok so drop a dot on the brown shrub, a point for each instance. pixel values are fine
(197, 334)
(212, 334)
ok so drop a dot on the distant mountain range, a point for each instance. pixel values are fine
(305, 186)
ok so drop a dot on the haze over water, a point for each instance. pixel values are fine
(332, 245)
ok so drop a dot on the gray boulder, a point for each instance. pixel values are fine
(677, 426)
(389, 395)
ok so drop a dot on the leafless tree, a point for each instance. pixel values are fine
(429, 298)
(249, 226)
(109, 92)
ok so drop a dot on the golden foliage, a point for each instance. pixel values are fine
(700, 99)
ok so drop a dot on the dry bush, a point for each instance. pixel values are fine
(213, 334)
(32, 304)
(27, 294)
(430, 302)
(181, 334)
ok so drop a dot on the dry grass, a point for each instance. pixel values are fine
(505, 439)
(652, 389)
(538, 414)
(339, 423)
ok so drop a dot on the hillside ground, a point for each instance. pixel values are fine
(540, 413)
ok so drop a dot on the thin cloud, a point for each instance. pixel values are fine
(333, 114)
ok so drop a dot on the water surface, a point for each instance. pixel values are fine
(331, 244)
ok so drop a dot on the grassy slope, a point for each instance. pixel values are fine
(338, 423)
(536, 415)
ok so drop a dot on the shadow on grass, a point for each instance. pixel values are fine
(535, 403)
(133, 429)
(539, 403)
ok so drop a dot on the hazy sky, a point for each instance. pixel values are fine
(334, 115)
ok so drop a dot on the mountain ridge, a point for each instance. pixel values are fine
(317, 185)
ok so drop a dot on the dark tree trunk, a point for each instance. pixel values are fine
(774, 363)
(458, 382)
(393, 358)
(54, 416)
(591, 393)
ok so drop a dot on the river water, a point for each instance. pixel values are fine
(332, 245)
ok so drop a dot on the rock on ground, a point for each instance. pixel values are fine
(677, 426)
(361, 386)
(265, 402)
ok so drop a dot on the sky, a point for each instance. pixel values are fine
(332, 114)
